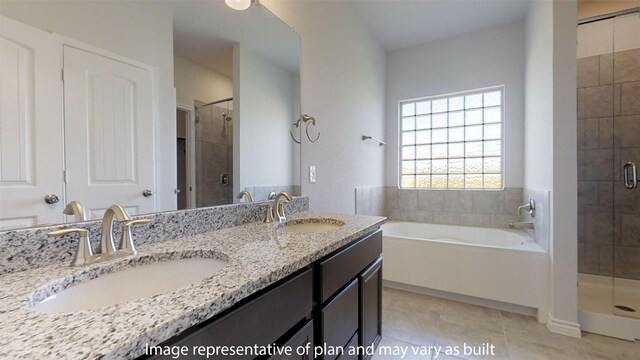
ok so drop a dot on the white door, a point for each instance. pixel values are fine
(30, 126)
(109, 149)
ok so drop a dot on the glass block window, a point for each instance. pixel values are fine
(452, 141)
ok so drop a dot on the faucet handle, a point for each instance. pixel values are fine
(84, 252)
(268, 216)
(126, 242)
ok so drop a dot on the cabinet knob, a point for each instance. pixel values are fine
(51, 199)
(147, 193)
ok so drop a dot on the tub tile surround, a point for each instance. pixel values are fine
(24, 249)
(608, 137)
(481, 208)
(370, 200)
(256, 255)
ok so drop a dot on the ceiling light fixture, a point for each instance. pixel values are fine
(238, 4)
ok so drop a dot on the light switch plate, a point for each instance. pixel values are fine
(312, 174)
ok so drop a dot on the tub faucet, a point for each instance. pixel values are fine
(278, 206)
(531, 207)
(244, 193)
(520, 225)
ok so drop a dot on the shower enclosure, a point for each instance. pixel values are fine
(214, 153)
(608, 147)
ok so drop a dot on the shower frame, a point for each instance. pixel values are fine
(613, 322)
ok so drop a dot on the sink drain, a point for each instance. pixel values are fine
(625, 308)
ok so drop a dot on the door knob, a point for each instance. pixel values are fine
(51, 199)
(147, 193)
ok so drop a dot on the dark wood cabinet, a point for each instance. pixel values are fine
(350, 290)
(334, 301)
(303, 339)
(339, 318)
(351, 350)
(339, 268)
(370, 282)
(261, 321)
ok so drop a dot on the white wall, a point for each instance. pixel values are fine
(264, 108)
(195, 82)
(136, 30)
(471, 61)
(564, 256)
(551, 146)
(342, 82)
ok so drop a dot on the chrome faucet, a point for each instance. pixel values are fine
(75, 208)
(520, 225)
(84, 253)
(278, 207)
(531, 207)
(106, 242)
(244, 193)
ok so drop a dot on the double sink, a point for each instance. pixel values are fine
(146, 276)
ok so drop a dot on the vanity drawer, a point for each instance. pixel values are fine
(353, 343)
(262, 321)
(340, 268)
(340, 318)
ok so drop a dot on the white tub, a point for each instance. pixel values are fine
(497, 265)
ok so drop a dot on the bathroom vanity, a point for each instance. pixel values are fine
(289, 285)
(335, 302)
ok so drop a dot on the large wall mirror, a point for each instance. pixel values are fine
(161, 105)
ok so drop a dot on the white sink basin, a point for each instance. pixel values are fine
(311, 225)
(131, 284)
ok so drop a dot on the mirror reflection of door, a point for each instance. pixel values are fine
(109, 133)
(181, 156)
(214, 153)
(30, 166)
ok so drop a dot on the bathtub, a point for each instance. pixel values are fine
(496, 267)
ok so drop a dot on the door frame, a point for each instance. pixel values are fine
(191, 153)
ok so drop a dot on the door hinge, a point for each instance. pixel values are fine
(62, 74)
(64, 176)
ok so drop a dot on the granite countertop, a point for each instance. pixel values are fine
(257, 254)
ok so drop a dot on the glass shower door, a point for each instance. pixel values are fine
(596, 173)
(626, 130)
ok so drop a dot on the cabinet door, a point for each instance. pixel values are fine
(340, 318)
(30, 126)
(303, 339)
(350, 350)
(109, 133)
(371, 304)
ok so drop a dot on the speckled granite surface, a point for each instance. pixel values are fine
(28, 248)
(257, 254)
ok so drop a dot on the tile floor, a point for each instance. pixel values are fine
(414, 321)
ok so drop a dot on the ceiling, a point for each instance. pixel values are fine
(400, 24)
(204, 32)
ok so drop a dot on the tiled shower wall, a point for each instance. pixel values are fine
(608, 137)
(214, 156)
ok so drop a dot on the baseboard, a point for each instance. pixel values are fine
(563, 327)
(493, 304)
(610, 325)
